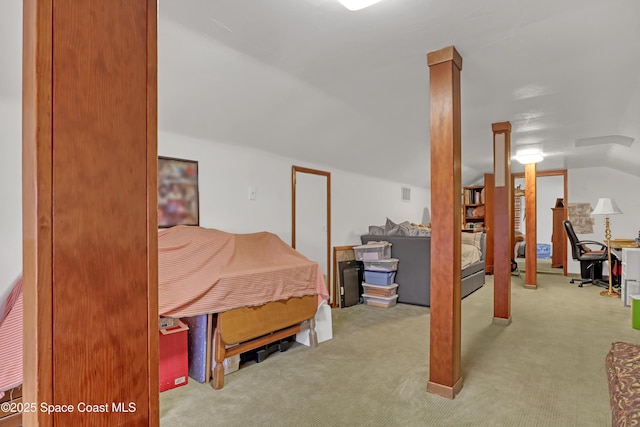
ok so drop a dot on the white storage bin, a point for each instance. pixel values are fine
(376, 301)
(380, 290)
(390, 264)
(373, 251)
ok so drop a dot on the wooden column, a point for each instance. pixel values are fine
(90, 212)
(488, 220)
(531, 241)
(444, 350)
(503, 223)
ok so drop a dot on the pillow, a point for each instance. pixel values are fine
(472, 239)
(478, 212)
(393, 229)
(376, 230)
(389, 225)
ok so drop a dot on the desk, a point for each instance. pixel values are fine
(630, 283)
(618, 244)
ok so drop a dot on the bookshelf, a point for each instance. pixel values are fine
(473, 211)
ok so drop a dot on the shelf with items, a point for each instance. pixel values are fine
(473, 209)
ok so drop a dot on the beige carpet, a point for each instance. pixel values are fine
(545, 369)
(543, 266)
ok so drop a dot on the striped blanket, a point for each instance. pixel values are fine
(11, 340)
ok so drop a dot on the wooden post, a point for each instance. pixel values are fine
(531, 241)
(503, 223)
(444, 350)
(90, 212)
(488, 221)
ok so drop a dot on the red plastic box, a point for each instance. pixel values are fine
(174, 359)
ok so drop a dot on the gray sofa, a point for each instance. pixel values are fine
(414, 268)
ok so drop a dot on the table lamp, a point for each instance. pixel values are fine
(607, 207)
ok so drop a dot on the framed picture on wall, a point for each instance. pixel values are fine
(178, 202)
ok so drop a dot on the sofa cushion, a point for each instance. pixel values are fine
(623, 372)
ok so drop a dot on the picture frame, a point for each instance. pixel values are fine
(178, 194)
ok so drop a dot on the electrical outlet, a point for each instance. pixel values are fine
(252, 192)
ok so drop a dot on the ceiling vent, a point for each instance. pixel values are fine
(603, 140)
(405, 194)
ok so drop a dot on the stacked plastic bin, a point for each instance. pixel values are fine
(379, 287)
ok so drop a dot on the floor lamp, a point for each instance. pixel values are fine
(607, 207)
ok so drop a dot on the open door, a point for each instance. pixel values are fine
(311, 218)
(552, 185)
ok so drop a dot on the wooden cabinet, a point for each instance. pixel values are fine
(558, 238)
(473, 208)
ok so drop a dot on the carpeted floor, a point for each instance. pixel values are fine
(543, 266)
(545, 369)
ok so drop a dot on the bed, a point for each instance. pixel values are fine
(11, 353)
(254, 288)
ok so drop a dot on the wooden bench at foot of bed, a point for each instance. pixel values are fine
(253, 327)
(7, 418)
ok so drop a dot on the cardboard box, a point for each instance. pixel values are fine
(174, 359)
(230, 364)
(167, 322)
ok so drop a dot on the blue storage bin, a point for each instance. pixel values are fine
(543, 250)
(379, 277)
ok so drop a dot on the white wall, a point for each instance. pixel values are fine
(11, 190)
(226, 172)
(588, 185)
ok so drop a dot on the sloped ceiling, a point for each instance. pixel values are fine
(316, 82)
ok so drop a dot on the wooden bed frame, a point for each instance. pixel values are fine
(11, 419)
(253, 327)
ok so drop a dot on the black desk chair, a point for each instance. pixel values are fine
(590, 259)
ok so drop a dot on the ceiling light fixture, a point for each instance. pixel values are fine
(528, 156)
(527, 159)
(357, 4)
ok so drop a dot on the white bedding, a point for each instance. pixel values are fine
(469, 255)
(471, 248)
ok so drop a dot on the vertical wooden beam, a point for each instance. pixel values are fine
(153, 342)
(489, 220)
(503, 223)
(90, 211)
(531, 241)
(444, 349)
(37, 192)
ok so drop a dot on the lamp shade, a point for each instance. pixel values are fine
(606, 207)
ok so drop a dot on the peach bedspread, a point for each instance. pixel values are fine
(209, 271)
(11, 339)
